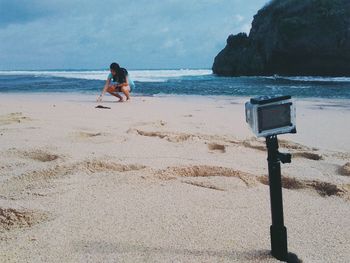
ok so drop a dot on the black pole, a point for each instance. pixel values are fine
(278, 231)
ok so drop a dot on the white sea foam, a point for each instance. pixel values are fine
(136, 75)
(155, 75)
(314, 79)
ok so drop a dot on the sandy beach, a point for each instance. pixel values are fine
(166, 179)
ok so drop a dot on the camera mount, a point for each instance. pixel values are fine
(278, 231)
(268, 117)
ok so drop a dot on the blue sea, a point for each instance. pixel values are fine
(175, 82)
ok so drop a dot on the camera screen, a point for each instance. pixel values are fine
(274, 116)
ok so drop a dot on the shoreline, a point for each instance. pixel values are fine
(323, 137)
(67, 95)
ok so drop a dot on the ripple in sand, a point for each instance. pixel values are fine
(181, 137)
(171, 137)
(204, 185)
(104, 166)
(13, 218)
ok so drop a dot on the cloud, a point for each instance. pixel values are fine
(23, 11)
(139, 34)
(239, 18)
(246, 28)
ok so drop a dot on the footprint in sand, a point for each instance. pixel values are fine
(341, 155)
(16, 117)
(345, 169)
(326, 189)
(298, 150)
(287, 182)
(37, 155)
(253, 144)
(11, 218)
(308, 155)
(260, 145)
(181, 137)
(158, 124)
(171, 137)
(217, 147)
(84, 135)
(322, 188)
(96, 166)
(30, 182)
(295, 146)
(177, 136)
(206, 171)
(98, 137)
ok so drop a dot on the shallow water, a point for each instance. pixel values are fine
(175, 82)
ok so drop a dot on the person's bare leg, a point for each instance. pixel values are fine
(111, 90)
(126, 92)
(117, 95)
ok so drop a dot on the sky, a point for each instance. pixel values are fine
(138, 34)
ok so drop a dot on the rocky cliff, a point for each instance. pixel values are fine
(291, 37)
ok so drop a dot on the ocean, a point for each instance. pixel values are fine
(175, 82)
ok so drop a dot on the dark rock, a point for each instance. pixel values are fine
(291, 37)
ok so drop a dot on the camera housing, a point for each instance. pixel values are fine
(271, 115)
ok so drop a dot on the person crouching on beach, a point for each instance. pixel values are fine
(118, 81)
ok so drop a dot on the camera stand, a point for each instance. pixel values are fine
(278, 231)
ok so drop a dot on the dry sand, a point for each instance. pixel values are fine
(172, 179)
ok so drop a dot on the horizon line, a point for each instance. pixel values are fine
(99, 69)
